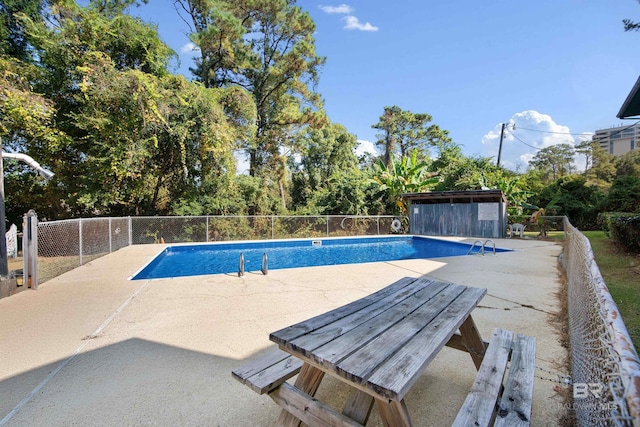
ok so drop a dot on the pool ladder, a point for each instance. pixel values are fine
(482, 246)
(264, 267)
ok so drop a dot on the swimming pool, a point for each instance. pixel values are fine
(218, 258)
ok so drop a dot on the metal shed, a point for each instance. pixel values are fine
(481, 213)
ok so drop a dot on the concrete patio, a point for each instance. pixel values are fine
(91, 347)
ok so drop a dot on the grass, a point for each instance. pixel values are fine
(621, 272)
(551, 235)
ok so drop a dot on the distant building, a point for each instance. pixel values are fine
(618, 140)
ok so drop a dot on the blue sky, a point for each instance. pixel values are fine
(562, 66)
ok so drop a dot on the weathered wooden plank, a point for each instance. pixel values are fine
(273, 376)
(472, 340)
(336, 350)
(307, 382)
(293, 331)
(309, 410)
(394, 377)
(515, 405)
(394, 414)
(456, 342)
(480, 404)
(268, 371)
(314, 339)
(385, 345)
(358, 407)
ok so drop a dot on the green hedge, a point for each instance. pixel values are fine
(622, 227)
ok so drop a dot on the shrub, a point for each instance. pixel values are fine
(624, 228)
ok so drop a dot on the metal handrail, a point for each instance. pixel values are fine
(265, 264)
(487, 241)
(241, 265)
(474, 245)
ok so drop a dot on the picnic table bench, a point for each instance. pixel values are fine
(380, 345)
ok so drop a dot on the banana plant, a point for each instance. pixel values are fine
(406, 176)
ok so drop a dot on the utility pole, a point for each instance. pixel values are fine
(4, 262)
(500, 148)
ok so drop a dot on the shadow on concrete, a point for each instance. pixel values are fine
(137, 382)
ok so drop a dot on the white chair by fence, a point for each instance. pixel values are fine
(517, 229)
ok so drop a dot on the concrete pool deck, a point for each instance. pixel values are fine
(91, 347)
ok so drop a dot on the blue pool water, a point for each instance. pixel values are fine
(194, 260)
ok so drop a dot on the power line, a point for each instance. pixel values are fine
(576, 134)
(548, 131)
(528, 145)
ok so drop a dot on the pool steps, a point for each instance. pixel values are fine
(482, 246)
(264, 267)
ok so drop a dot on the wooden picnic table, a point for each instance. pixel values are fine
(379, 345)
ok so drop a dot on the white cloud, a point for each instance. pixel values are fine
(533, 131)
(365, 147)
(188, 48)
(343, 8)
(353, 23)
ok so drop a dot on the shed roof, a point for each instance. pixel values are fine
(473, 196)
(631, 105)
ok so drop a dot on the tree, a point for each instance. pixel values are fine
(459, 172)
(136, 140)
(574, 198)
(266, 47)
(217, 28)
(603, 170)
(324, 153)
(13, 40)
(586, 149)
(409, 175)
(404, 131)
(554, 161)
(628, 164)
(624, 195)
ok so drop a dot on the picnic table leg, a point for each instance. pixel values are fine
(394, 413)
(358, 407)
(308, 381)
(473, 341)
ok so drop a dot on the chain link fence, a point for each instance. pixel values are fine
(605, 365)
(65, 245)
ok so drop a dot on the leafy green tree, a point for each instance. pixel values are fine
(628, 164)
(218, 28)
(515, 192)
(574, 198)
(459, 172)
(603, 171)
(409, 175)
(586, 148)
(266, 47)
(24, 114)
(325, 153)
(136, 140)
(624, 195)
(403, 132)
(14, 41)
(554, 161)
(347, 192)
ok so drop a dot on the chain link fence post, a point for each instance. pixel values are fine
(80, 240)
(30, 249)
